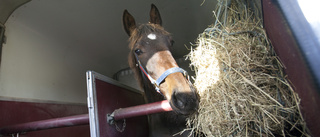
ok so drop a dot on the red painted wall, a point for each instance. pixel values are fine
(16, 112)
(111, 97)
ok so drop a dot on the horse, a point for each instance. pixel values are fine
(150, 57)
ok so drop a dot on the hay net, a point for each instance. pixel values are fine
(242, 87)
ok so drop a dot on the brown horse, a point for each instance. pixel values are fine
(149, 58)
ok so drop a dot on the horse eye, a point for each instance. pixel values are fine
(171, 42)
(138, 51)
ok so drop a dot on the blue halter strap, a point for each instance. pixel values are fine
(163, 76)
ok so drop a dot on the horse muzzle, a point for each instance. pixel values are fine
(183, 102)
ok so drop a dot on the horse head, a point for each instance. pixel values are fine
(150, 55)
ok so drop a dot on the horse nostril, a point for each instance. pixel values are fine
(184, 103)
(179, 103)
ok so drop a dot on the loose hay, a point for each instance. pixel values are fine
(240, 80)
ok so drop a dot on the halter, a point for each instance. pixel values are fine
(165, 74)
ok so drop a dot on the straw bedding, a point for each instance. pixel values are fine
(240, 80)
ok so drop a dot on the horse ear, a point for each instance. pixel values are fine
(128, 21)
(155, 15)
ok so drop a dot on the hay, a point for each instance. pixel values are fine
(240, 80)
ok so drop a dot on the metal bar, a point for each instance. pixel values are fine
(140, 110)
(46, 124)
(83, 119)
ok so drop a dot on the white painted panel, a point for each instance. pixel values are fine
(52, 43)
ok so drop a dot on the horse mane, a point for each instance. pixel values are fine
(143, 29)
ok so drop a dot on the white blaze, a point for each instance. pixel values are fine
(152, 36)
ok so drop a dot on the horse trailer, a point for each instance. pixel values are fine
(64, 65)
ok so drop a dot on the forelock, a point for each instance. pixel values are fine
(145, 29)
